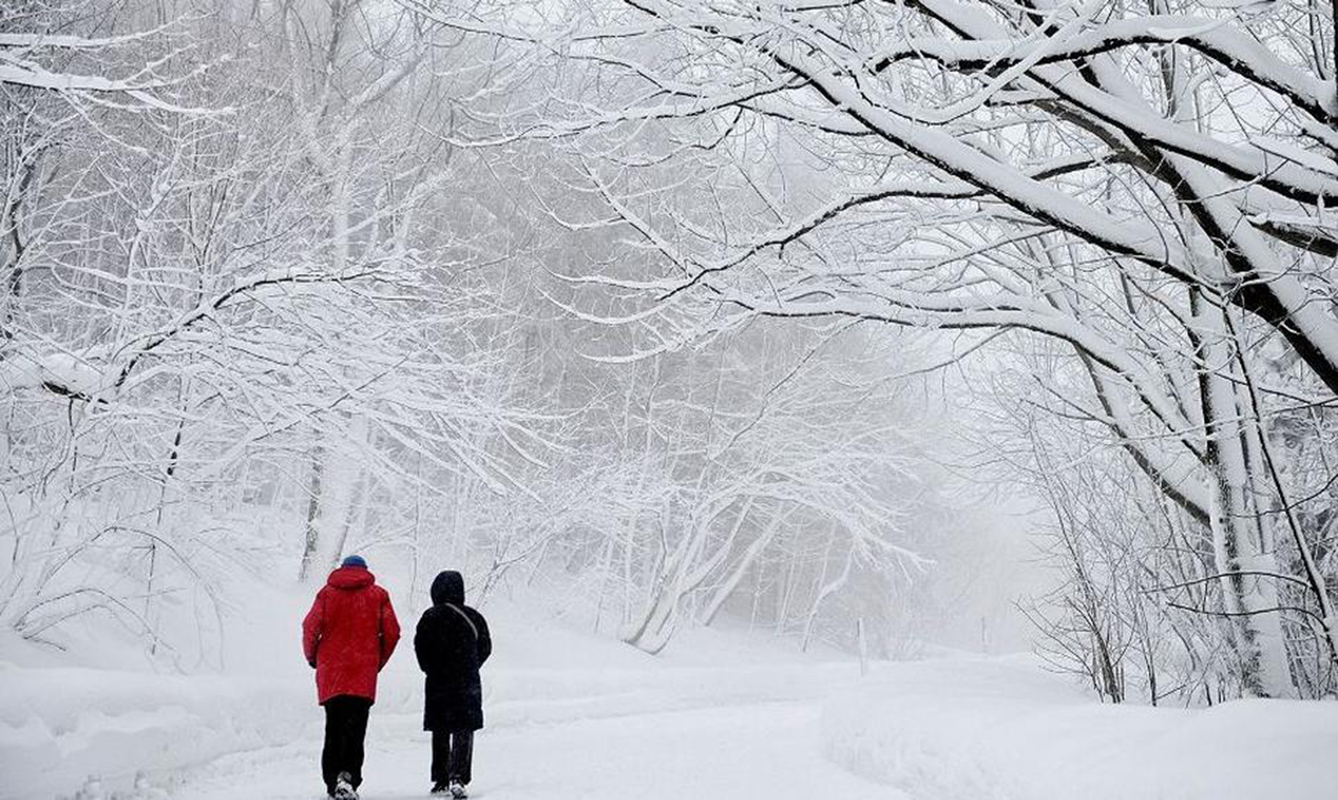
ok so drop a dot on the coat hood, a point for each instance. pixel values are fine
(448, 587)
(351, 578)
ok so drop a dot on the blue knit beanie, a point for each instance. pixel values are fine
(354, 561)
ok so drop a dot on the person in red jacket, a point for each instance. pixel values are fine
(348, 637)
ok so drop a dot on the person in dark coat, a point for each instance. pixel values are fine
(347, 638)
(452, 642)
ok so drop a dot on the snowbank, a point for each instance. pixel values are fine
(1003, 729)
(58, 726)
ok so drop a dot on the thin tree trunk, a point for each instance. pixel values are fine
(313, 537)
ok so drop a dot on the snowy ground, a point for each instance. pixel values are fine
(738, 748)
(1002, 729)
(570, 715)
(574, 715)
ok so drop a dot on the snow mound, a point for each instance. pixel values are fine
(58, 726)
(1003, 729)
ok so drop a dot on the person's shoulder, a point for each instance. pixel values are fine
(475, 614)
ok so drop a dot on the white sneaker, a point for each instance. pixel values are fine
(458, 790)
(344, 787)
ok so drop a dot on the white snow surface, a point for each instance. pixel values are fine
(1004, 729)
(572, 714)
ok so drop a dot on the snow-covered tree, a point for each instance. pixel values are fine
(1144, 183)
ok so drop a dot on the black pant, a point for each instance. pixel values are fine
(452, 756)
(345, 729)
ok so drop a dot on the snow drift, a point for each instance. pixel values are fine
(60, 726)
(1003, 729)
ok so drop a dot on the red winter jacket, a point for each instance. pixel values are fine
(349, 634)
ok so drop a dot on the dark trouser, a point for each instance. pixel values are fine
(452, 756)
(345, 728)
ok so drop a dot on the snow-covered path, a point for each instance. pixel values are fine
(748, 748)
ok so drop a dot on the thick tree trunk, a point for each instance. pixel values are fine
(1250, 600)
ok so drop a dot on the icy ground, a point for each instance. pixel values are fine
(577, 716)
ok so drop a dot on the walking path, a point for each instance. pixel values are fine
(737, 746)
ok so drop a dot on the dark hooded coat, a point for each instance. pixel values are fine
(451, 643)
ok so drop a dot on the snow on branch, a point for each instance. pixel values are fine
(1216, 39)
(145, 87)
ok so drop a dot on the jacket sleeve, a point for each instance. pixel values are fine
(390, 631)
(423, 646)
(313, 628)
(485, 638)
